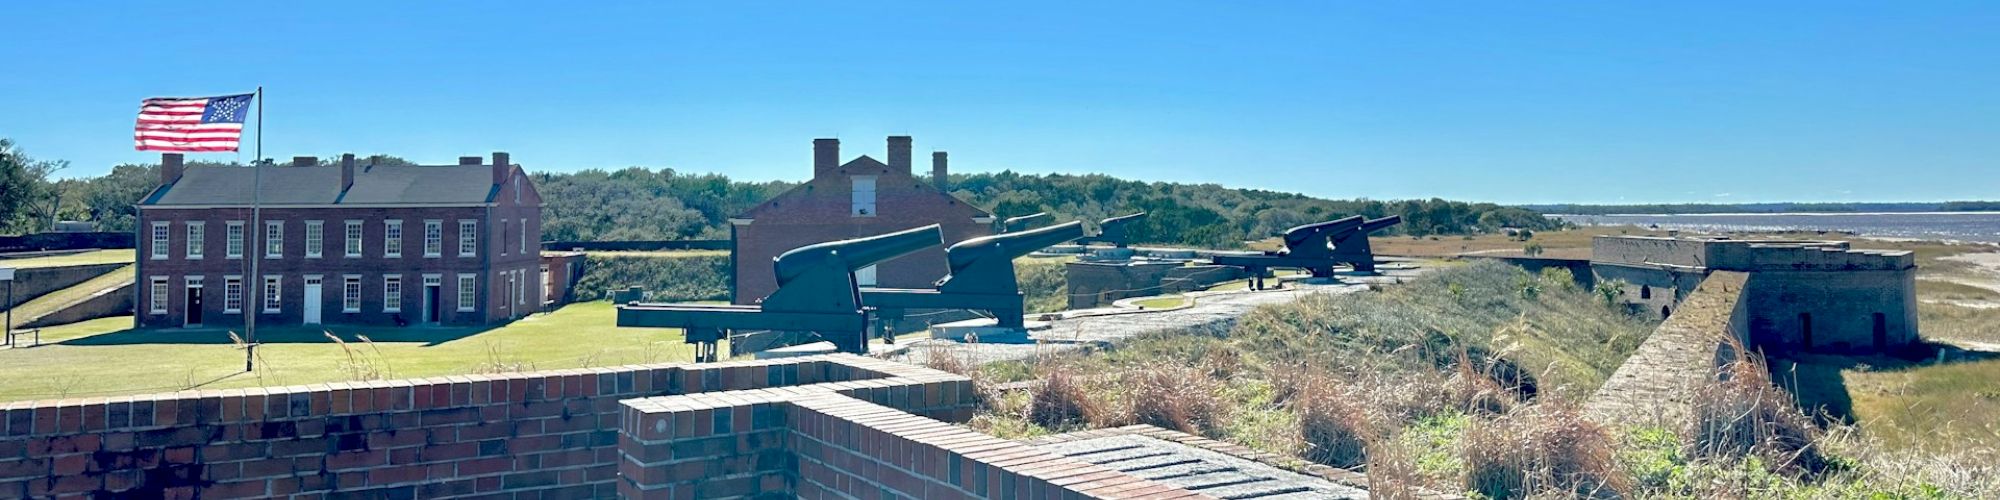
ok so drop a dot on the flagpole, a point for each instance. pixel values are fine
(256, 294)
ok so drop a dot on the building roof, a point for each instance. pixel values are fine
(373, 185)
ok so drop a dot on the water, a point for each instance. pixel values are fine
(1959, 226)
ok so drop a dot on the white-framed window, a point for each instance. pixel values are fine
(503, 236)
(392, 293)
(156, 301)
(865, 276)
(468, 292)
(232, 294)
(233, 247)
(353, 238)
(468, 238)
(433, 238)
(350, 293)
(197, 239)
(542, 282)
(274, 293)
(864, 196)
(274, 239)
(524, 236)
(520, 287)
(315, 238)
(160, 240)
(392, 238)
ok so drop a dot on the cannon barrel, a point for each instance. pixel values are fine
(1009, 246)
(1120, 220)
(856, 253)
(1303, 235)
(1377, 224)
(1013, 224)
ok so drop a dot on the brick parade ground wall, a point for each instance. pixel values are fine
(554, 433)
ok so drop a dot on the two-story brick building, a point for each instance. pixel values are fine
(345, 243)
(862, 197)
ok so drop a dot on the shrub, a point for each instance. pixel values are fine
(666, 276)
(1540, 449)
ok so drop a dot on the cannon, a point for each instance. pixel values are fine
(1307, 246)
(1112, 231)
(817, 299)
(982, 277)
(1025, 222)
(1351, 246)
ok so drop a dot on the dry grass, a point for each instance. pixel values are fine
(1742, 414)
(1175, 397)
(1062, 401)
(1546, 448)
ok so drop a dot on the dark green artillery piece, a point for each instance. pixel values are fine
(982, 277)
(1025, 222)
(1113, 230)
(1307, 247)
(1351, 246)
(817, 299)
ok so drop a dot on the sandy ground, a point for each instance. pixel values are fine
(1988, 264)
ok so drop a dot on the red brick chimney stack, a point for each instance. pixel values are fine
(346, 171)
(305, 161)
(501, 167)
(171, 166)
(826, 156)
(899, 153)
(939, 175)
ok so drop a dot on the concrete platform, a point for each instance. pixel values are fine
(985, 330)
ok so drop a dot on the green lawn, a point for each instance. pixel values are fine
(1162, 302)
(107, 357)
(90, 257)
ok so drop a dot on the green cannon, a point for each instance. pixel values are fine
(1025, 222)
(981, 279)
(1351, 246)
(817, 299)
(1307, 246)
(1112, 231)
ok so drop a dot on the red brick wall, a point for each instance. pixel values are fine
(551, 432)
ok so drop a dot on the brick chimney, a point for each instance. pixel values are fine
(346, 171)
(501, 167)
(305, 161)
(171, 166)
(826, 156)
(939, 175)
(899, 153)
(471, 160)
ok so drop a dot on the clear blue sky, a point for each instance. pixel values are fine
(1503, 101)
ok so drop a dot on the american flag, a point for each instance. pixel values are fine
(191, 124)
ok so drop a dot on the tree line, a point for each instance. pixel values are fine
(638, 203)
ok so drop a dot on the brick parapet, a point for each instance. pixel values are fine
(553, 432)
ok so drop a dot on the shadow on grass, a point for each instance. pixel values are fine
(429, 336)
(1820, 388)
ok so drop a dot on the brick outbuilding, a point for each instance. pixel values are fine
(861, 197)
(340, 243)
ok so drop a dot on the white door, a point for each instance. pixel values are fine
(313, 301)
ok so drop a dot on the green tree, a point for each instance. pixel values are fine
(28, 200)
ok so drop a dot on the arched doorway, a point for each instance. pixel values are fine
(1881, 332)
(1805, 331)
(1645, 292)
(1665, 312)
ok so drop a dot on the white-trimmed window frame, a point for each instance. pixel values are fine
(274, 293)
(864, 200)
(392, 238)
(197, 240)
(468, 238)
(354, 236)
(162, 239)
(274, 239)
(158, 294)
(524, 236)
(232, 294)
(350, 293)
(433, 238)
(392, 300)
(233, 240)
(467, 292)
(315, 239)
(501, 238)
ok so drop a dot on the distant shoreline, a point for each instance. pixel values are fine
(1773, 214)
